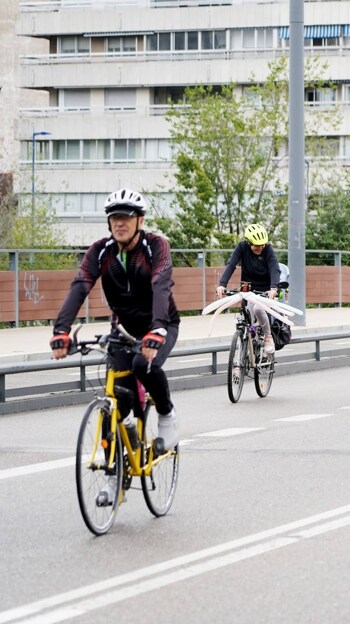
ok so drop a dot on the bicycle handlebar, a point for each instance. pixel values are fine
(123, 340)
(235, 291)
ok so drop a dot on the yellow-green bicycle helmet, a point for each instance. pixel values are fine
(256, 234)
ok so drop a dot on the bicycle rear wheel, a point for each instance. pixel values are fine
(93, 472)
(263, 371)
(160, 486)
(236, 367)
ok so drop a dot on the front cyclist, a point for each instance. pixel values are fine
(136, 273)
(260, 269)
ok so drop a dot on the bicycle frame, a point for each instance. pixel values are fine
(134, 457)
(245, 323)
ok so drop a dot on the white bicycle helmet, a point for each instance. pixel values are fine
(127, 202)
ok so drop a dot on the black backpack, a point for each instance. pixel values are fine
(281, 334)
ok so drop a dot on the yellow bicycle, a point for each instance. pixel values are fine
(105, 445)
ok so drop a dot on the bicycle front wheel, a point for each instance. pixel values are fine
(236, 366)
(263, 371)
(96, 471)
(160, 486)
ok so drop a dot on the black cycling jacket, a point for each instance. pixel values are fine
(261, 271)
(139, 294)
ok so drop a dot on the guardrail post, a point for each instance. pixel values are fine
(337, 262)
(2, 388)
(13, 266)
(318, 350)
(82, 378)
(214, 363)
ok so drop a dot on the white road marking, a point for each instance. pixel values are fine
(20, 471)
(344, 407)
(168, 572)
(302, 417)
(223, 433)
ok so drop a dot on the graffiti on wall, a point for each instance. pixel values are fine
(31, 287)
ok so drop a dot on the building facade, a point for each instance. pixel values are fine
(12, 97)
(113, 65)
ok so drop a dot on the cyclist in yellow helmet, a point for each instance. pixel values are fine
(259, 270)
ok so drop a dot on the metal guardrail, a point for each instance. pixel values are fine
(41, 396)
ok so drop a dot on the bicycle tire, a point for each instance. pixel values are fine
(237, 364)
(159, 487)
(92, 479)
(263, 371)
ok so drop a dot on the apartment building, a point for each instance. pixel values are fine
(113, 65)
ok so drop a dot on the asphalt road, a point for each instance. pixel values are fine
(259, 531)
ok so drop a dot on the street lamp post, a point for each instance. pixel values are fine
(34, 135)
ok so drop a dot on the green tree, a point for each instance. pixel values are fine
(328, 224)
(23, 229)
(8, 208)
(228, 151)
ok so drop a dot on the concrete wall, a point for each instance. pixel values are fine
(11, 97)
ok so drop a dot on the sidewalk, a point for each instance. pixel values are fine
(32, 343)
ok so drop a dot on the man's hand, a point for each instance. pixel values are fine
(60, 344)
(221, 292)
(151, 343)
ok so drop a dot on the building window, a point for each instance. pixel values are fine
(192, 40)
(322, 147)
(74, 45)
(248, 38)
(164, 95)
(42, 150)
(103, 149)
(264, 38)
(74, 99)
(121, 44)
(126, 150)
(213, 39)
(320, 96)
(66, 150)
(164, 41)
(157, 149)
(181, 40)
(120, 98)
(346, 94)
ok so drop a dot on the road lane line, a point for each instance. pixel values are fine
(20, 471)
(165, 573)
(223, 433)
(302, 417)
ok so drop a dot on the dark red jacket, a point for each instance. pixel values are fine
(139, 295)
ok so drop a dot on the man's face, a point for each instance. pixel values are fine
(257, 249)
(123, 227)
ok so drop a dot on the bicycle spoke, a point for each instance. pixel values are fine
(264, 370)
(96, 470)
(236, 366)
(159, 487)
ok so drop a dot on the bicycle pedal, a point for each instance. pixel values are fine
(158, 446)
